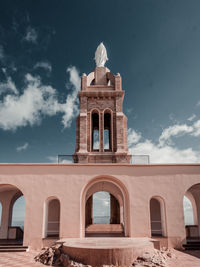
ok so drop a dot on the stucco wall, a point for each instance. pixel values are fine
(68, 181)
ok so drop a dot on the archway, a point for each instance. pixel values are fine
(52, 218)
(13, 213)
(157, 217)
(118, 224)
(191, 207)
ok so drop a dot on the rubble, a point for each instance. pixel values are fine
(53, 256)
(158, 259)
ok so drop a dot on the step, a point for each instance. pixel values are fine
(191, 247)
(104, 228)
(13, 248)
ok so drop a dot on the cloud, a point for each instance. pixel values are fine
(23, 147)
(8, 85)
(37, 101)
(196, 126)
(192, 117)
(165, 151)
(133, 136)
(43, 64)
(31, 35)
(53, 159)
(71, 105)
(64, 159)
(174, 130)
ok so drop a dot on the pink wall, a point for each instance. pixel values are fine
(69, 183)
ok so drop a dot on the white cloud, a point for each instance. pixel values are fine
(37, 101)
(133, 136)
(71, 105)
(164, 151)
(196, 126)
(43, 64)
(31, 35)
(23, 147)
(53, 159)
(192, 117)
(174, 130)
(8, 85)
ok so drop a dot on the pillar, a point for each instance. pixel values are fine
(88, 212)
(114, 210)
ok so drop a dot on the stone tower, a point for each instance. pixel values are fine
(101, 127)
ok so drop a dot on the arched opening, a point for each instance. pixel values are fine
(95, 131)
(112, 216)
(157, 217)
(101, 207)
(52, 218)
(188, 211)
(18, 213)
(107, 132)
(191, 208)
(12, 215)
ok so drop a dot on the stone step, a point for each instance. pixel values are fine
(11, 248)
(105, 228)
(192, 246)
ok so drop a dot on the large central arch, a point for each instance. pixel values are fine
(116, 188)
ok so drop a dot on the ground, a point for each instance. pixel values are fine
(26, 259)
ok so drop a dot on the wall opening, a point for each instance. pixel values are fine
(117, 221)
(191, 206)
(101, 208)
(107, 132)
(95, 132)
(12, 214)
(157, 217)
(52, 218)
(18, 213)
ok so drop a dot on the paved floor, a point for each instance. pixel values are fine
(26, 259)
(186, 259)
(19, 259)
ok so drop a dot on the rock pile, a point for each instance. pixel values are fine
(158, 259)
(53, 256)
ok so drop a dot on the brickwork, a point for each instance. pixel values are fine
(101, 92)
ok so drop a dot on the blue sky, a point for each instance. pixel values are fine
(46, 45)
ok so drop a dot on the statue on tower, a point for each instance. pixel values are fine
(100, 55)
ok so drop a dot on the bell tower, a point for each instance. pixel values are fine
(101, 127)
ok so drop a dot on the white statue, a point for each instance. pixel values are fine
(100, 55)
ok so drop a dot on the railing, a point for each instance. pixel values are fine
(134, 159)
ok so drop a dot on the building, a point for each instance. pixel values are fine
(146, 200)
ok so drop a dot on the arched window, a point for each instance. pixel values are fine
(52, 218)
(157, 216)
(107, 132)
(95, 131)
